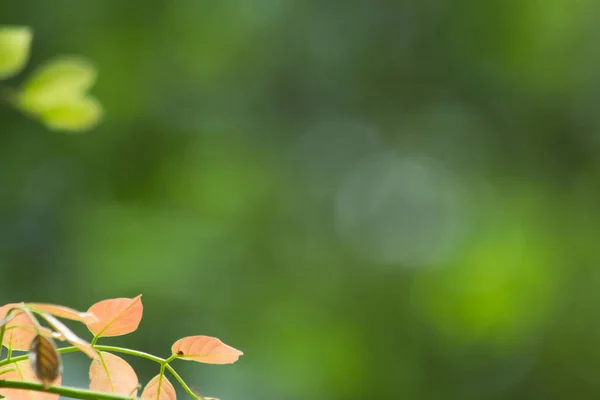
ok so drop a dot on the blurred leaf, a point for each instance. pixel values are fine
(15, 43)
(205, 349)
(76, 116)
(24, 372)
(60, 81)
(45, 360)
(159, 388)
(112, 374)
(116, 317)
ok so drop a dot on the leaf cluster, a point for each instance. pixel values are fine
(56, 92)
(34, 327)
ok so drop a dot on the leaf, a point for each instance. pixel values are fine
(112, 374)
(24, 372)
(15, 45)
(30, 329)
(19, 330)
(59, 81)
(63, 312)
(45, 360)
(205, 349)
(116, 317)
(77, 115)
(69, 336)
(159, 388)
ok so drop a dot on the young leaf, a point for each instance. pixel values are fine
(24, 372)
(63, 312)
(57, 82)
(116, 317)
(205, 349)
(69, 336)
(15, 44)
(112, 374)
(20, 331)
(159, 388)
(45, 360)
(77, 115)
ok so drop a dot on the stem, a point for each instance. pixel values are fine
(25, 357)
(72, 349)
(164, 363)
(131, 353)
(66, 391)
(160, 379)
(182, 383)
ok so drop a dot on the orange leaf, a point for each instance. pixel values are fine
(24, 372)
(159, 388)
(30, 329)
(205, 349)
(112, 374)
(63, 312)
(19, 330)
(69, 336)
(116, 317)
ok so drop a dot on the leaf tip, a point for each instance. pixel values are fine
(15, 44)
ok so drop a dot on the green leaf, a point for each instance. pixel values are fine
(15, 43)
(75, 116)
(58, 82)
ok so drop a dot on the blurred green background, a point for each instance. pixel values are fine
(372, 199)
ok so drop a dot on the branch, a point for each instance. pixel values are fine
(73, 393)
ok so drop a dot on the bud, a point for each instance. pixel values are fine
(45, 360)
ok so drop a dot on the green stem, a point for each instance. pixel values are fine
(66, 391)
(25, 357)
(131, 353)
(182, 383)
(164, 363)
(113, 349)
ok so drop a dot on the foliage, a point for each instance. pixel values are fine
(37, 376)
(56, 93)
